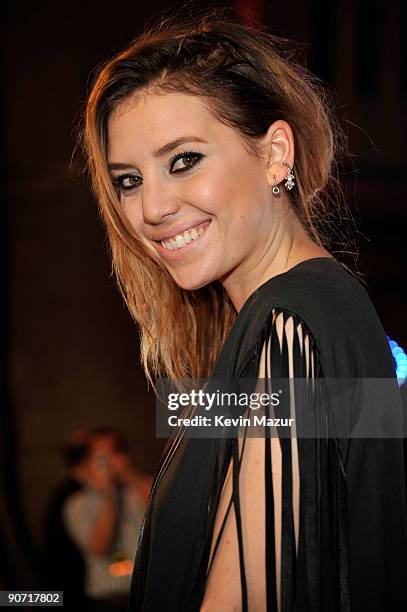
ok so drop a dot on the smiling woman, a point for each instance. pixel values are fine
(211, 153)
(190, 202)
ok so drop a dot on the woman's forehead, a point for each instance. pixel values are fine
(150, 123)
(162, 108)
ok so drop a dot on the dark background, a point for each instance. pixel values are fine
(70, 352)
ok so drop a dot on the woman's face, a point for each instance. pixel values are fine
(213, 188)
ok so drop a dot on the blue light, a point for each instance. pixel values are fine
(400, 359)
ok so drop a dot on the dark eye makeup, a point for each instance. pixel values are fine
(127, 182)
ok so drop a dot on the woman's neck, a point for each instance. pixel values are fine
(290, 246)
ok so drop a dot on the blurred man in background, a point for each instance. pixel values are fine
(104, 518)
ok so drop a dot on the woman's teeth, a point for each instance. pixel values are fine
(181, 240)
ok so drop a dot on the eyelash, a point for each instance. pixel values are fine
(117, 181)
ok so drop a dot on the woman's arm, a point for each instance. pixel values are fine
(223, 588)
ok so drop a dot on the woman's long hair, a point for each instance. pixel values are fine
(248, 79)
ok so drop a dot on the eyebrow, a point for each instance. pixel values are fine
(162, 150)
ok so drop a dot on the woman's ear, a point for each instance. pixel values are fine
(278, 146)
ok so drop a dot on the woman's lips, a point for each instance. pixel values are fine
(179, 253)
(181, 228)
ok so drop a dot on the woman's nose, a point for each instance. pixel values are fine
(158, 201)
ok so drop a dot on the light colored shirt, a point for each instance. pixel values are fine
(80, 513)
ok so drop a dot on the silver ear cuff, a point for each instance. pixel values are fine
(289, 179)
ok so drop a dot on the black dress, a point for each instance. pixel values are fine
(352, 543)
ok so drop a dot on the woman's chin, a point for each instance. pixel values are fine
(191, 284)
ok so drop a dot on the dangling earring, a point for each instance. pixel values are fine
(289, 178)
(276, 189)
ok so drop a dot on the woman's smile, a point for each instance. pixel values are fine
(180, 245)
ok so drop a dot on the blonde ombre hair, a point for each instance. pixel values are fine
(248, 80)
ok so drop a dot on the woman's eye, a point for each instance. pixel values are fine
(189, 157)
(126, 182)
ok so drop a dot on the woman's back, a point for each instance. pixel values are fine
(319, 523)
